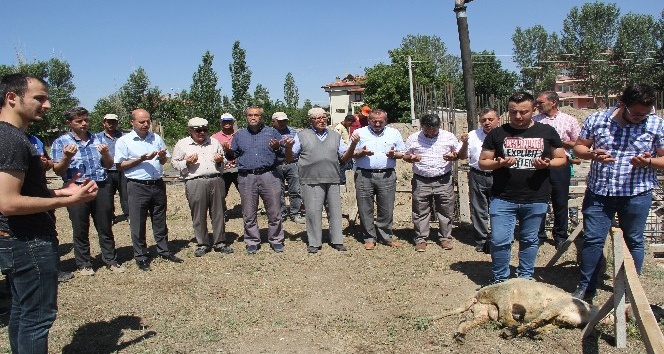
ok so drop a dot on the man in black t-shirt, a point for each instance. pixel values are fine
(28, 239)
(520, 154)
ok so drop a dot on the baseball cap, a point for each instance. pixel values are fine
(366, 110)
(111, 116)
(279, 116)
(197, 122)
(227, 117)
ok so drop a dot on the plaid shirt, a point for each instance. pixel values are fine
(567, 126)
(432, 151)
(620, 178)
(87, 160)
(110, 141)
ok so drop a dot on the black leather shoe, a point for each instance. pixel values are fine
(172, 258)
(143, 265)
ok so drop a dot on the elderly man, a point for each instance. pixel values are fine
(225, 136)
(289, 172)
(626, 146)
(28, 237)
(480, 182)
(142, 154)
(568, 129)
(80, 155)
(116, 178)
(200, 162)
(520, 154)
(375, 180)
(256, 148)
(319, 151)
(432, 151)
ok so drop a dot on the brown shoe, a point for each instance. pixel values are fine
(369, 245)
(421, 247)
(393, 244)
(446, 244)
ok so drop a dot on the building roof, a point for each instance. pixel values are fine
(349, 81)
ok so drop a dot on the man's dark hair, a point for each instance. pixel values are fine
(519, 97)
(551, 96)
(16, 83)
(350, 118)
(76, 112)
(638, 94)
(487, 110)
(430, 120)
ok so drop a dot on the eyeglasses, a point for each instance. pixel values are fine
(635, 115)
(201, 130)
(319, 118)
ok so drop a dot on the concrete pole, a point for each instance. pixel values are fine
(466, 63)
(412, 93)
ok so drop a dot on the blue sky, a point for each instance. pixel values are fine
(104, 41)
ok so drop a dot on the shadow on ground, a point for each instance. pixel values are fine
(103, 337)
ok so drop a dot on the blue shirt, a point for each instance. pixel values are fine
(131, 146)
(379, 144)
(253, 150)
(110, 141)
(39, 146)
(87, 160)
(288, 132)
(620, 178)
(321, 136)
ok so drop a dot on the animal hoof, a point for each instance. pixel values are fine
(459, 337)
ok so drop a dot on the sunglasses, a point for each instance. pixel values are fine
(201, 130)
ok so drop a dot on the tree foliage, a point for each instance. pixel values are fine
(491, 80)
(204, 96)
(240, 81)
(633, 54)
(137, 93)
(291, 95)
(536, 53)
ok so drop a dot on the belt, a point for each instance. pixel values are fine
(376, 170)
(205, 177)
(434, 177)
(257, 171)
(480, 172)
(112, 171)
(99, 183)
(147, 182)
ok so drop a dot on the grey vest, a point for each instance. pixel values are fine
(319, 160)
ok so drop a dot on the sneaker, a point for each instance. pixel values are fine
(421, 246)
(115, 268)
(278, 248)
(446, 244)
(312, 249)
(201, 251)
(340, 248)
(64, 276)
(88, 271)
(579, 293)
(226, 249)
(252, 249)
(299, 219)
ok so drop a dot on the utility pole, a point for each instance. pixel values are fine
(466, 63)
(412, 92)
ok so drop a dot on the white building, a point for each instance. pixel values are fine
(346, 96)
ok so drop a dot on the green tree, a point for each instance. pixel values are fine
(109, 104)
(658, 57)
(240, 81)
(635, 47)
(588, 36)
(536, 53)
(490, 77)
(204, 96)
(172, 113)
(387, 87)
(291, 95)
(137, 93)
(261, 97)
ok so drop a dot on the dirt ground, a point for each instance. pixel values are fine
(364, 302)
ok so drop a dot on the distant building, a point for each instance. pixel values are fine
(346, 96)
(565, 86)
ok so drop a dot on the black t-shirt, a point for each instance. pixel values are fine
(18, 154)
(522, 183)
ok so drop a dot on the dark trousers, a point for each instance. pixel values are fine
(560, 180)
(479, 186)
(229, 178)
(143, 200)
(118, 183)
(267, 186)
(101, 210)
(290, 175)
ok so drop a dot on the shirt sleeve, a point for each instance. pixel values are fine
(399, 144)
(121, 151)
(297, 146)
(342, 147)
(178, 161)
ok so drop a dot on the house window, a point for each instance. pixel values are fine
(340, 110)
(357, 97)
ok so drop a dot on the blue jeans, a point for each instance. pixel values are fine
(31, 266)
(598, 212)
(503, 219)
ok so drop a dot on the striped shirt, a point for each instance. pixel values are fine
(87, 160)
(620, 178)
(432, 150)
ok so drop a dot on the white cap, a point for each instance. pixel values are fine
(111, 116)
(279, 116)
(197, 122)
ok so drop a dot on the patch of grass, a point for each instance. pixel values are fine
(422, 323)
(655, 273)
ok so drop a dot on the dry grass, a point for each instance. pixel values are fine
(366, 302)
